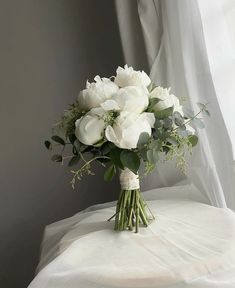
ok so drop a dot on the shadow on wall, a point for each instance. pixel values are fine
(48, 50)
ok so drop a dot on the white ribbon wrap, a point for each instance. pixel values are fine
(129, 180)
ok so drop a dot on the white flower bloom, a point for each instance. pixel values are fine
(90, 128)
(167, 100)
(96, 93)
(127, 76)
(132, 98)
(127, 128)
(110, 105)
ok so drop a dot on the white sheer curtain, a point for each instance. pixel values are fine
(180, 43)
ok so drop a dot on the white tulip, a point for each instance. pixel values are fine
(166, 100)
(90, 128)
(96, 93)
(132, 98)
(127, 76)
(127, 128)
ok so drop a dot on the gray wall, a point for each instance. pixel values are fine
(48, 48)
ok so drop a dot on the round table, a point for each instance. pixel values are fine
(189, 244)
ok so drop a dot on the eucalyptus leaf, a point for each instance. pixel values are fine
(198, 123)
(178, 119)
(201, 105)
(130, 160)
(109, 173)
(158, 123)
(164, 113)
(193, 139)
(48, 144)
(77, 145)
(167, 123)
(143, 139)
(152, 156)
(56, 158)
(74, 160)
(58, 139)
(188, 113)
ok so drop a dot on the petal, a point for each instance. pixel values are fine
(111, 136)
(110, 105)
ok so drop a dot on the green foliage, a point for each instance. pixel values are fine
(130, 160)
(67, 122)
(74, 160)
(109, 173)
(48, 144)
(58, 139)
(164, 113)
(115, 156)
(193, 139)
(143, 140)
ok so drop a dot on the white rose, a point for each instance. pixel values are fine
(96, 93)
(167, 100)
(90, 128)
(127, 128)
(127, 76)
(132, 98)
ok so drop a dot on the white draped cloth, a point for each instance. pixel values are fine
(190, 244)
(185, 45)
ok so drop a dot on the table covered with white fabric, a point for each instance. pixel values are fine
(190, 244)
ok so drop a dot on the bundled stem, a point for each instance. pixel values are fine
(131, 211)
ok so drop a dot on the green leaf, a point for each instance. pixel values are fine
(152, 156)
(206, 112)
(77, 145)
(158, 123)
(143, 154)
(156, 145)
(109, 173)
(167, 123)
(193, 139)
(58, 139)
(107, 147)
(151, 86)
(72, 138)
(201, 105)
(178, 119)
(115, 157)
(198, 123)
(56, 158)
(188, 113)
(48, 144)
(99, 143)
(164, 113)
(130, 160)
(74, 160)
(152, 103)
(143, 139)
(204, 109)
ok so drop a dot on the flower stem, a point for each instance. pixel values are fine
(131, 211)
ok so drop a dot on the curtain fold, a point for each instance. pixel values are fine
(176, 50)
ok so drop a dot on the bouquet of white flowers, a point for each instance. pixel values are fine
(120, 122)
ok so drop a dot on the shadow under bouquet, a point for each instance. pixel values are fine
(122, 122)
